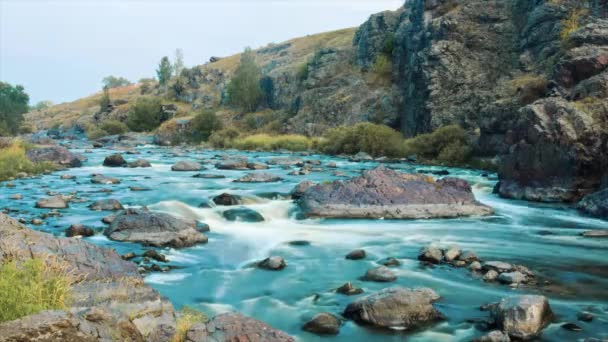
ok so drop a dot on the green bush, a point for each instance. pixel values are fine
(32, 286)
(224, 138)
(13, 160)
(145, 115)
(273, 142)
(204, 124)
(377, 140)
(244, 88)
(449, 145)
(113, 127)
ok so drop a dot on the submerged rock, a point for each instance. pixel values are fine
(208, 176)
(257, 166)
(106, 204)
(242, 214)
(154, 229)
(55, 202)
(389, 262)
(232, 164)
(522, 317)
(139, 163)
(186, 166)
(349, 289)
(273, 263)
(259, 178)
(600, 233)
(380, 274)
(494, 336)
(101, 179)
(235, 327)
(385, 193)
(323, 323)
(79, 230)
(357, 254)
(227, 199)
(396, 308)
(512, 278)
(114, 160)
(55, 154)
(433, 255)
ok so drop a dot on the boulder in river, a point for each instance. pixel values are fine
(78, 229)
(396, 308)
(299, 190)
(349, 289)
(273, 263)
(242, 214)
(431, 254)
(259, 178)
(357, 254)
(232, 164)
(235, 327)
(522, 317)
(257, 166)
(55, 202)
(139, 163)
(154, 229)
(227, 199)
(494, 336)
(101, 179)
(380, 274)
(385, 193)
(512, 278)
(286, 161)
(598, 233)
(323, 323)
(186, 166)
(498, 266)
(115, 160)
(106, 204)
(55, 154)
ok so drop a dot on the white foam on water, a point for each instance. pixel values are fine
(182, 257)
(166, 278)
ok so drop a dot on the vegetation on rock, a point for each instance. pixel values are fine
(145, 115)
(204, 124)
(377, 140)
(186, 318)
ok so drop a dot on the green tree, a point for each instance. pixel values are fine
(105, 100)
(41, 105)
(115, 82)
(244, 88)
(178, 65)
(145, 115)
(164, 71)
(13, 103)
(204, 124)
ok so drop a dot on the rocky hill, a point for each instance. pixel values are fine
(527, 79)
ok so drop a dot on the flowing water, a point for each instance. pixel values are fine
(216, 277)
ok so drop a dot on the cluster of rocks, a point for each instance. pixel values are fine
(117, 160)
(503, 272)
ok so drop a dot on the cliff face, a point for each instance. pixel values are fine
(527, 77)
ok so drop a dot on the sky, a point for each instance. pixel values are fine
(60, 50)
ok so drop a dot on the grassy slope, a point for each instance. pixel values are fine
(81, 110)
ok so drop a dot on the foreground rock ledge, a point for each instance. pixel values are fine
(235, 327)
(385, 193)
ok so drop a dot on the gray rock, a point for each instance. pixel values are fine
(475, 266)
(286, 161)
(380, 274)
(256, 166)
(357, 254)
(452, 254)
(301, 188)
(227, 199)
(106, 204)
(208, 176)
(114, 160)
(468, 256)
(389, 262)
(55, 202)
(498, 266)
(512, 278)
(67, 177)
(55, 154)
(361, 156)
(139, 163)
(396, 308)
(242, 214)
(79, 230)
(349, 289)
(259, 178)
(384, 193)
(101, 179)
(273, 263)
(235, 327)
(232, 164)
(154, 229)
(186, 166)
(490, 275)
(431, 254)
(522, 317)
(323, 323)
(494, 336)
(601, 233)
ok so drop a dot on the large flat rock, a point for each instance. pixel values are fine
(385, 193)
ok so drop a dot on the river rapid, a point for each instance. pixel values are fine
(216, 277)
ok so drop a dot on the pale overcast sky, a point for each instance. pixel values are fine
(60, 50)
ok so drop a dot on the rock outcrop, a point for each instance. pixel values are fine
(387, 193)
(154, 229)
(522, 317)
(595, 204)
(235, 327)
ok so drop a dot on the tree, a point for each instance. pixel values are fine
(178, 65)
(204, 124)
(244, 88)
(13, 103)
(145, 115)
(41, 105)
(164, 71)
(105, 100)
(115, 82)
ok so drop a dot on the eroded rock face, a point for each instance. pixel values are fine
(235, 327)
(154, 229)
(55, 154)
(522, 317)
(595, 204)
(396, 308)
(386, 193)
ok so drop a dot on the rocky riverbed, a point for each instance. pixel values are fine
(226, 236)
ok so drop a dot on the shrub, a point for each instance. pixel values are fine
(273, 142)
(115, 82)
(13, 160)
(382, 66)
(571, 23)
(377, 140)
(529, 87)
(105, 101)
(145, 115)
(449, 145)
(186, 318)
(113, 127)
(223, 138)
(32, 286)
(204, 124)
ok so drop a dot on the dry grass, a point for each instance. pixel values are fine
(13, 161)
(186, 318)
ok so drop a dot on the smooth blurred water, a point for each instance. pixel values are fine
(215, 277)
